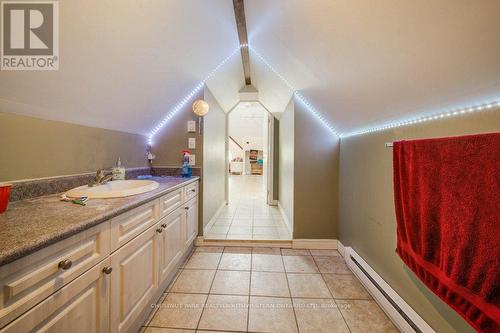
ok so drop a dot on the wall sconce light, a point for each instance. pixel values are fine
(200, 108)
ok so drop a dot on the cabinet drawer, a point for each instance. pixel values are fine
(29, 280)
(81, 306)
(190, 191)
(132, 223)
(170, 201)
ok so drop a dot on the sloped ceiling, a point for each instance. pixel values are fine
(365, 62)
(125, 64)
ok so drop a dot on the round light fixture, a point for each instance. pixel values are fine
(200, 107)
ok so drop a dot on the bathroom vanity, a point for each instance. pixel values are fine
(100, 271)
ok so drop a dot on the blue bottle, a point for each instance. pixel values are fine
(187, 170)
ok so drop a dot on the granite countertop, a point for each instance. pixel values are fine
(30, 225)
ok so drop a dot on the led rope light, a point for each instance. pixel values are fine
(296, 93)
(188, 97)
(442, 115)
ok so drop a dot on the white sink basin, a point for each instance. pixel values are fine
(113, 189)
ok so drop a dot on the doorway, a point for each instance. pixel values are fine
(251, 212)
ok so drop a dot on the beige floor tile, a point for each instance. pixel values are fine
(333, 253)
(231, 283)
(153, 312)
(222, 222)
(210, 249)
(201, 260)
(224, 312)
(267, 250)
(245, 236)
(239, 230)
(267, 263)
(243, 222)
(194, 281)
(299, 264)
(264, 222)
(332, 264)
(235, 261)
(214, 236)
(219, 229)
(265, 231)
(319, 315)
(171, 284)
(345, 286)
(165, 330)
(269, 284)
(307, 285)
(179, 311)
(265, 237)
(295, 252)
(268, 314)
(238, 249)
(365, 316)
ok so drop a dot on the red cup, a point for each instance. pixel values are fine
(4, 196)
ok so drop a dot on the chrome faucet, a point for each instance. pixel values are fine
(100, 178)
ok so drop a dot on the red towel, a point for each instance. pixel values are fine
(447, 198)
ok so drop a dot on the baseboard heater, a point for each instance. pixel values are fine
(389, 299)
(403, 316)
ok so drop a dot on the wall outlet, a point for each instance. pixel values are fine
(191, 143)
(192, 160)
(191, 126)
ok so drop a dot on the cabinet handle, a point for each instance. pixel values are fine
(186, 208)
(193, 190)
(164, 225)
(107, 270)
(159, 230)
(65, 264)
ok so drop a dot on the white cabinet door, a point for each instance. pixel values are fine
(134, 280)
(80, 307)
(171, 241)
(191, 208)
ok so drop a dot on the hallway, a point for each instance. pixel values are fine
(247, 216)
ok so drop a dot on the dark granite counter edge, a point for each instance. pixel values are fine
(27, 249)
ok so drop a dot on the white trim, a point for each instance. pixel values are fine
(393, 314)
(317, 244)
(214, 217)
(288, 223)
(341, 248)
(279, 243)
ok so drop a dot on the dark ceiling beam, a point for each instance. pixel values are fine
(241, 25)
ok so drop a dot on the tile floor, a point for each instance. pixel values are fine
(244, 289)
(247, 216)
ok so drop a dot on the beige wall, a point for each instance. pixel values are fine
(35, 148)
(214, 158)
(316, 171)
(286, 164)
(367, 220)
(172, 139)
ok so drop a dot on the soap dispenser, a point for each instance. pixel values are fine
(118, 171)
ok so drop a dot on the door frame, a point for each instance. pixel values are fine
(270, 154)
